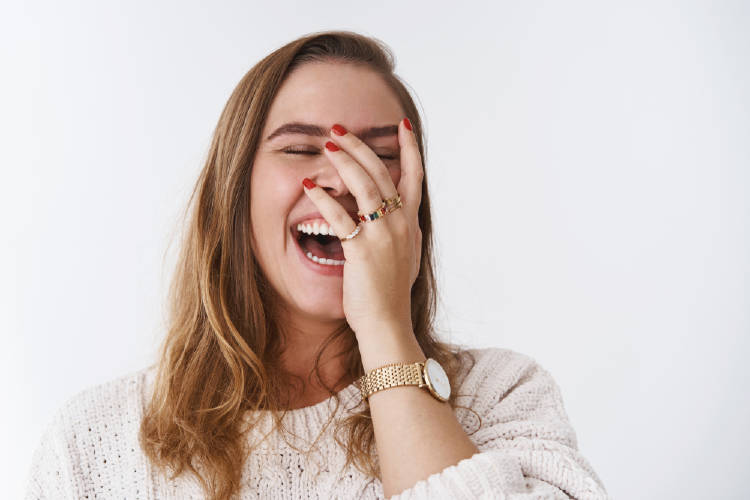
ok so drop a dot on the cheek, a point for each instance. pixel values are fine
(272, 195)
(275, 188)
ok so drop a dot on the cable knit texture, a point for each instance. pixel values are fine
(527, 446)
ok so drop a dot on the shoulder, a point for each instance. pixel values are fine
(101, 401)
(512, 410)
(508, 387)
(495, 367)
(110, 411)
(92, 436)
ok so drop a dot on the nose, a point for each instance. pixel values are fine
(327, 177)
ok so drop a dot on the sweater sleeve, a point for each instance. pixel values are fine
(527, 446)
(49, 477)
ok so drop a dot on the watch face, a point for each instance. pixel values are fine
(437, 378)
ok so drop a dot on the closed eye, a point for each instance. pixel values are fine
(308, 152)
(299, 152)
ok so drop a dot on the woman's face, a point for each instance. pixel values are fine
(319, 95)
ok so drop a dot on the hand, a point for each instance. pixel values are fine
(383, 260)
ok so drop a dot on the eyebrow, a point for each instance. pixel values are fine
(318, 131)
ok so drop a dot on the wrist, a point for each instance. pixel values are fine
(378, 328)
(398, 345)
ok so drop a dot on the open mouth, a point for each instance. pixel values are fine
(321, 248)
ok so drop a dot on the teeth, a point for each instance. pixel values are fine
(327, 262)
(316, 228)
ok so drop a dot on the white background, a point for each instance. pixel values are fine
(587, 162)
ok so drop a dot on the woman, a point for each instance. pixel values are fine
(300, 360)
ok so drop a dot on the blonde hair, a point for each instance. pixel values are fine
(219, 358)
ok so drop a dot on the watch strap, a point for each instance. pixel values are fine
(392, 375)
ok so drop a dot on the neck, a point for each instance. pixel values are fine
(301, 344)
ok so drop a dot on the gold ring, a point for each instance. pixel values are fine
(393, 204)
(393, 201)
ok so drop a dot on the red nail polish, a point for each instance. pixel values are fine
(331, 146)
(338, 129)
(308, 183)
(407, 123)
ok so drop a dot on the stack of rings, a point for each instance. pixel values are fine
(393, 204)
(386, 207)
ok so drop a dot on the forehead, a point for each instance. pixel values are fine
(328, 93)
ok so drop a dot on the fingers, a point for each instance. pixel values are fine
(356, 178)
(368, 178)
(412, 171)
(361, 154)
(331, 210)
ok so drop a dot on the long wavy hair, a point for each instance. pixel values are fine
(219, 360)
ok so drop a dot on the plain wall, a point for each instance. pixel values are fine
(588, 167)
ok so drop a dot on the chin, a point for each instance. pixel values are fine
(325, 307)
(325, 316)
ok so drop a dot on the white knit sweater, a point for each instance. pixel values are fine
(528, 448)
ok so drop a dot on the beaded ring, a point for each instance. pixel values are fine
(352, 234)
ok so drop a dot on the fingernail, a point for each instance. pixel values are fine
(308, 183)
(407, 123)
(331, 146)
(338, 129)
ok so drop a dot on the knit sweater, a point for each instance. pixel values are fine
(527, 446)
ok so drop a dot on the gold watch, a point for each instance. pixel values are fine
(428, 374)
